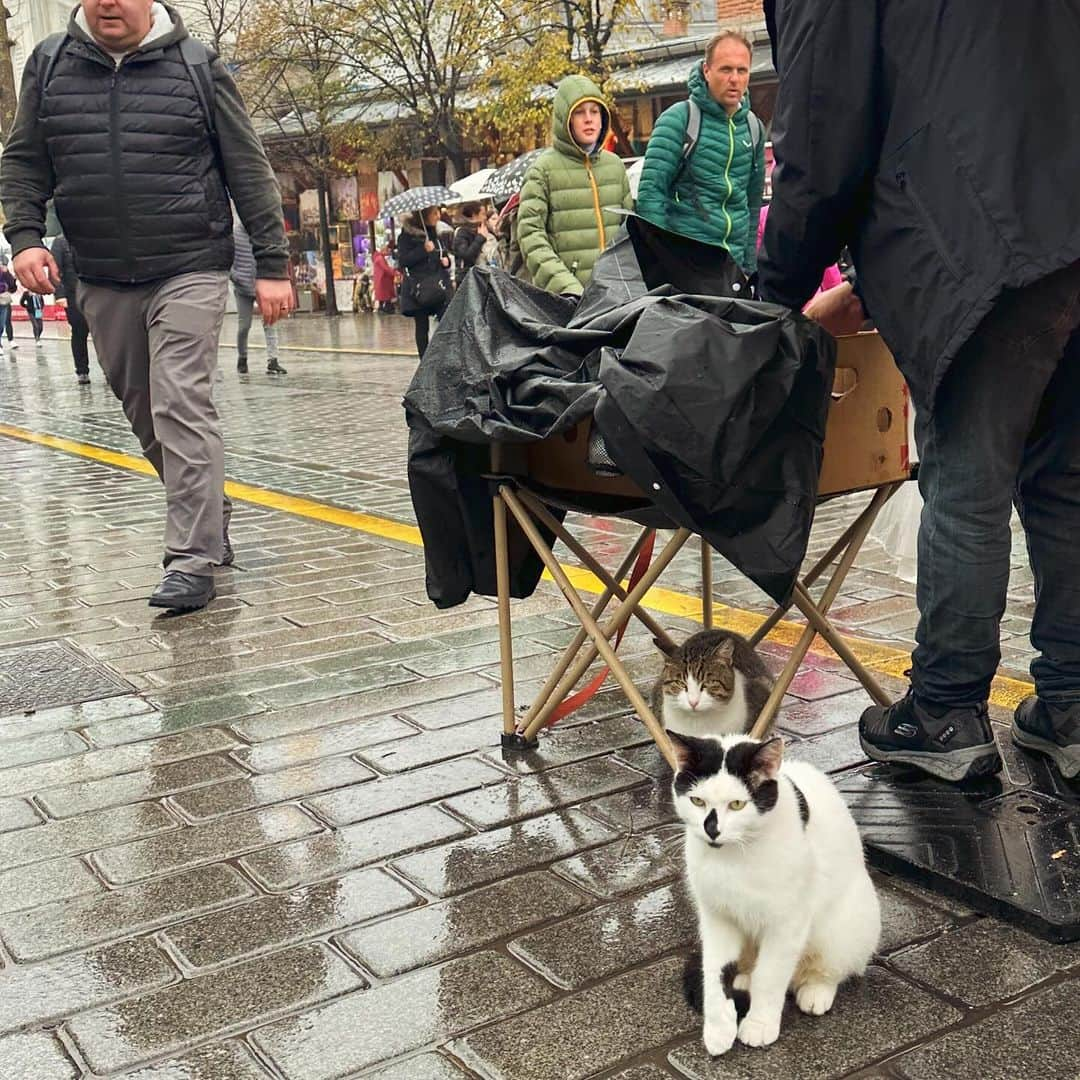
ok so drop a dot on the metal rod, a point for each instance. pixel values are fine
(706, 585)
(595, 632)
(506, 639)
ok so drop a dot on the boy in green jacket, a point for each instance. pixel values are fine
(565, 217)
(713, 195)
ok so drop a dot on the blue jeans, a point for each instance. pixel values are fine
(1005, 428)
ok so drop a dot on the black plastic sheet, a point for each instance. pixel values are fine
(714, 405)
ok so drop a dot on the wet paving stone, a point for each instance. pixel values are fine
(609, 939)
(272, 922)
(416, 1010)
(44, 747)
(344, 738)
(86, 833)
(647, 759)
(254, 791)
(1022, 1040)
(478, 705)
(153, 783)
(17, 814)
(445, 929)
(808, 718)
(904, 919)
(480, 860)
(352, 804)
(354, 846)
(35, 1055)
(38, 993)
(985, 962)
(300, 718)
(85, 714)
(829, 752)
(171, 1020)
(44, 882)
(587, 1032)
(644, 1072)
(96, 764)
(431, 747)
(849, 1037)
(424, 1067)
(637, 810)
(628, 864)
(196, 845)
(528, 796)
(78, 923)
(574, 744)
(222, 1061)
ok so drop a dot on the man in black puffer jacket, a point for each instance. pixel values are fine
(937, 138)
(139, 134)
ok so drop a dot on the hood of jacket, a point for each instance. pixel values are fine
(77, 31)
(699, 91)
(573, 91)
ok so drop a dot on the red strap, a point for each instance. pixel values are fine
(586, 693)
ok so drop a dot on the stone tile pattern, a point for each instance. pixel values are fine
(289, 844)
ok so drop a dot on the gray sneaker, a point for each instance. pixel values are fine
(1053, 730)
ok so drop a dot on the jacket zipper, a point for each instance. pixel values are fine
(596, 203)
(118, 172)
(908, 188)
(727, 178)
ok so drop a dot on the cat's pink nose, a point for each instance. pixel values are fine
(694, 702)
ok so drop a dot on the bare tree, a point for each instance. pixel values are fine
(217, 23)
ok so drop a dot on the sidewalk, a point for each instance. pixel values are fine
(277, 838)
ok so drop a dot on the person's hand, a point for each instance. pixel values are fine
(839, 310)
(274, 297)
(429, 247)
(36, 269)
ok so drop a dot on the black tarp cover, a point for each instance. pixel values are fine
(714, 405)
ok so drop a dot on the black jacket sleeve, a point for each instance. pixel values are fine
(412, 256)
(468, 243)
(26, 173)
(826, 140)
(250, 179)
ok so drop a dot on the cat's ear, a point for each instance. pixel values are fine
(767, 760)
(684, 753)
(725, 651)
(668, 647)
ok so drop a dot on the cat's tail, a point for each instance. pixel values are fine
(694, 991)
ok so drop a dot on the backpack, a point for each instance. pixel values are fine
(195, 56)
(693, 132)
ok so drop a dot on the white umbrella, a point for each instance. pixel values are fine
(468, 187)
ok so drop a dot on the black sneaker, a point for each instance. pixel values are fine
(1053, 730)
(274, 368)
(241, 365)
(950, 743)
(228, 555)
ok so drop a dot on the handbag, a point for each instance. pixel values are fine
(428, 294)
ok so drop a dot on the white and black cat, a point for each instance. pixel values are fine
(776, 868)
(714, 683)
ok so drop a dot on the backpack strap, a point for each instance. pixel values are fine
(693, 131)
(757, 131)
(50, 48)
(197, 58)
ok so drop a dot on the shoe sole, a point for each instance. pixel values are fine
(172, 605)
(955, 766)
(1066, 758)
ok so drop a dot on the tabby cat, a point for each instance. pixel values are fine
(714, 683)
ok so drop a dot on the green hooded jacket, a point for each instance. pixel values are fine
(717, 196)
(565, 220)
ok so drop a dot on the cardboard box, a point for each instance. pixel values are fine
(866, 438)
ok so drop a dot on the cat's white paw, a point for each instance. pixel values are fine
(815, 998)
(755, 1031)
(742, 982)
(719, 1035)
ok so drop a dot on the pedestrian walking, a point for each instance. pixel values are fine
(424, 256)
(947, 183)
(704, 169)
(243, 283)
(68, 291)
(572, 192)
(384, 284)
(34, 305)
(8, 287)
(139, 135)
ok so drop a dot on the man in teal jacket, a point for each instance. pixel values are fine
(714, 194)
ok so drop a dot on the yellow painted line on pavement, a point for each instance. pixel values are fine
(1007, 692)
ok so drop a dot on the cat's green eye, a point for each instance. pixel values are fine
(696, 801)
(736, 804)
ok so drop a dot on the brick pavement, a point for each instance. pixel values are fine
(288, 845)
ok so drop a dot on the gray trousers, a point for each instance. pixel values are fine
(158, 346)
(245, 307)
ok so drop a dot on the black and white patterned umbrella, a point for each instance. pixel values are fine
(419, 198)
(508, 180)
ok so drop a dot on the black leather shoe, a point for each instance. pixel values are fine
(229, 555)
(184, 592)
(951, 743)
(1053, 730)
(274, 368)
(241, 365)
